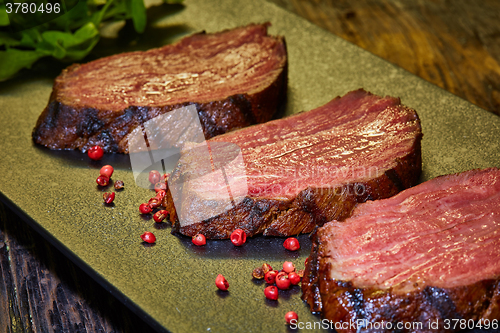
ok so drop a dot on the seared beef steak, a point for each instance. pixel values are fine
(235, 78)
(312, 167)
(428, 254)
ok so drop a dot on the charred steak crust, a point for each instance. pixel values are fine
(341, 302)
(69, 124)
(311, 207)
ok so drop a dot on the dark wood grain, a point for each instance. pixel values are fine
(42, 291)
(454, 44)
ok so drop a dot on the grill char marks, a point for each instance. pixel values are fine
(313, 167)
(343, 303)
(235, 78)
(427, 254)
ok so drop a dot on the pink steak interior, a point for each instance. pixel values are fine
(200, 68)
(353, 138)
(443, 233)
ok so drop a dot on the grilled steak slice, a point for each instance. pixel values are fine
(429, 254)
(311, 167)
(235, 78)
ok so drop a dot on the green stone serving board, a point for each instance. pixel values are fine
(171, 284)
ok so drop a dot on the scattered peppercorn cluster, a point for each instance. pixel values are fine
(155, 203)
(104, 179)
(276, 280)
(281, 279)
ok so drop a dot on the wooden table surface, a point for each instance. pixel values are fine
(453, 44)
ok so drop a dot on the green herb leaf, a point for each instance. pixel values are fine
(7, 40)
(30, 38)
(83, 42)
(69, 37)
(4, 18)
(13, 60)
(137, 10)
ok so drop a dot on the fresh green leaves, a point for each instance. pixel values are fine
(4, 18)
(70, 46)
(69, 37)
(12, 60)
(138, 10)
